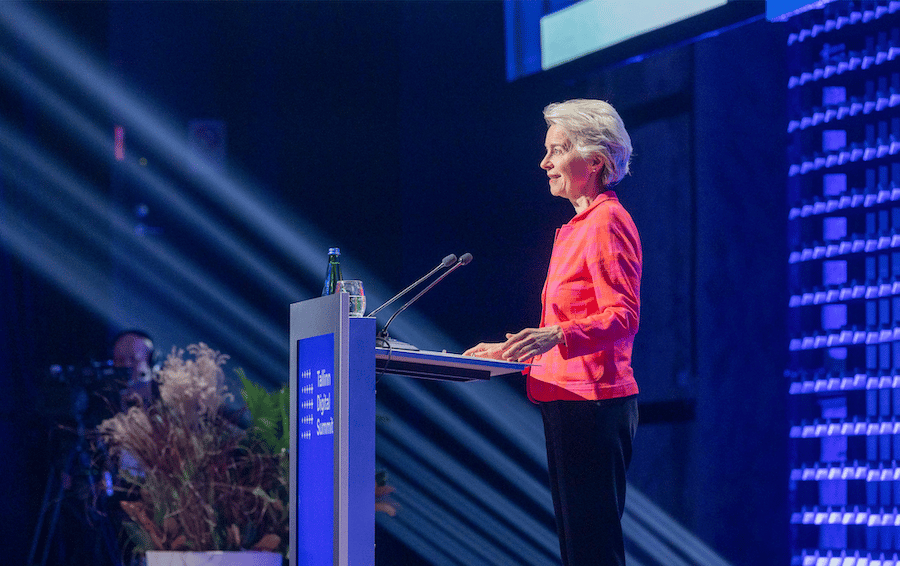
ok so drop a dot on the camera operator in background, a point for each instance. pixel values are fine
(81, 521)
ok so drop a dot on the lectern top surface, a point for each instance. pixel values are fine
(442, 365)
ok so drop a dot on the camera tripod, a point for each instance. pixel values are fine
(73, 496)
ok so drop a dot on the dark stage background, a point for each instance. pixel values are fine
(388, 129)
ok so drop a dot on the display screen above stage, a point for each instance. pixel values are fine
(544, 35)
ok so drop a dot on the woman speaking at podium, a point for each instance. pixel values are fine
(583, 380)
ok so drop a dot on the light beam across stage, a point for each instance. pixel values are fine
(286, 233)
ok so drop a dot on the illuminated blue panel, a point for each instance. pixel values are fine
(523, 38)
(781, 9)
(315, 451)
(359, 418)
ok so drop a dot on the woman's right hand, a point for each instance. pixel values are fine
(490, 350)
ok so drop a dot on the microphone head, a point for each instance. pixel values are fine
(449, 260)
(466, 258)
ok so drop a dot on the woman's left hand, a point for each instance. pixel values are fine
(531, 342)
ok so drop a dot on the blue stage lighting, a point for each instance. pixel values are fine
(288, 234)
(430, 505)
(441, 414)
(465, 492)
(54, 183)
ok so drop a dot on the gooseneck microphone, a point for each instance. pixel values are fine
(463, 260)
(446, 262)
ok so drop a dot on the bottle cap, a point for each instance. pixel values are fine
(334, 251)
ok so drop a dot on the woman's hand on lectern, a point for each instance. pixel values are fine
(490, 350)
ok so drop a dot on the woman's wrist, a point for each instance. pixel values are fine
(559, 334)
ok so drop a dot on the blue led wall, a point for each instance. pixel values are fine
(844, 282)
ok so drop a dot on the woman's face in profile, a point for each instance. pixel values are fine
(569, 173)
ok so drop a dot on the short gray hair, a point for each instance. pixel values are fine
(595, 129)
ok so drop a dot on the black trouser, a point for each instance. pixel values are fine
(588, 452)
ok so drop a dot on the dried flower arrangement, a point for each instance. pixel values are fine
(203, 482)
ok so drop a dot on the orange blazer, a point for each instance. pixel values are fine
(592, 292)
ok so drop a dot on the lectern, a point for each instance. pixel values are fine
(332, 461)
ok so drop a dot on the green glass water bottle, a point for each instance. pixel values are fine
(333, 275)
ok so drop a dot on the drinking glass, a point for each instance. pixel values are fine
(354, 288)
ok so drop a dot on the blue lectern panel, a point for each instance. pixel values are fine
(315, 450)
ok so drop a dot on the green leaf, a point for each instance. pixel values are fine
(269, 414)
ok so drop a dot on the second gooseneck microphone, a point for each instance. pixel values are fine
(463, 260)
(446, 262)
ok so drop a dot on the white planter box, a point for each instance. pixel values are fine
(213, 558)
